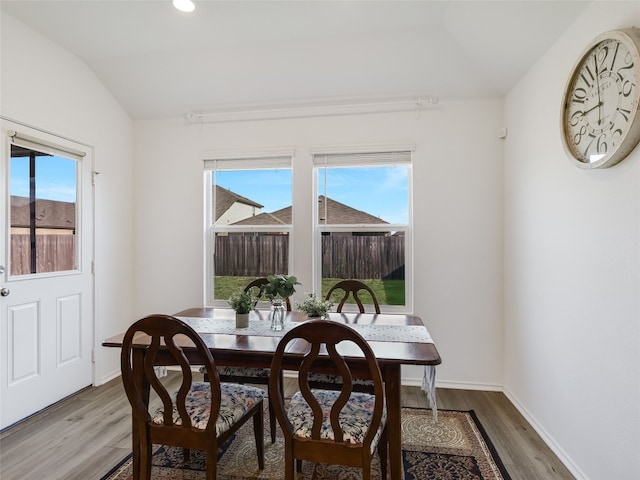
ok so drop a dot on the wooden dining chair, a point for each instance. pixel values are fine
(199, 415)
(352, 288)
(256, 376)
(340, 427)
(349, 287)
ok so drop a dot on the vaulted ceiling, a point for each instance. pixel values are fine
(234, 55)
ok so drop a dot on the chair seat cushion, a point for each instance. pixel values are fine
(244, 372)
(354, 418)
(328, 378)
(262, 373)
(235, 401)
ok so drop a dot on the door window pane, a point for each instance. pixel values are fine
(43, 189)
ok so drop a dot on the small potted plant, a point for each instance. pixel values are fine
(314, 306)
(242, 303)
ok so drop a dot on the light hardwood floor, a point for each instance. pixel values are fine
(85, 435)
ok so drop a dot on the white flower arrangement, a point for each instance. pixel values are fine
(242, 302)
(314, 306)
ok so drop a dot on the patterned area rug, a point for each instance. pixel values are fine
(453, 448)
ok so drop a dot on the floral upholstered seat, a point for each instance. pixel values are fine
(241, 375)
(235, 401)
(243, 372)
(354, 418)
(326, 378)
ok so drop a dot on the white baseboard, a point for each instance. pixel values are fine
(487, 387)
(107, 378)
(408, 381)
(417, 382)
(548, 439)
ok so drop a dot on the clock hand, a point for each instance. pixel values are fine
(598, 105)
(595, 61)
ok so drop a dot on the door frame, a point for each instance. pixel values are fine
(87, 218)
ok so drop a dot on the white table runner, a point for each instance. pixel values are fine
(226, 326)
(372, 333)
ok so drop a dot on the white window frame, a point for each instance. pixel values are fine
(366, 156)
(245, 160)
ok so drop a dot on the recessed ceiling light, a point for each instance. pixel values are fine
(184, 5)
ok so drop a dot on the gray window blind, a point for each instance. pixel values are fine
(33, 143)
(255, 163)
(372, 158)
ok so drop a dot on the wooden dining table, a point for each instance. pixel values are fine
(396, 339)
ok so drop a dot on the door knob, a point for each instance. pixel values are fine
(4, 291)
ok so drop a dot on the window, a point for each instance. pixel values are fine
(249, 215)
(43, 208)
(363, 223)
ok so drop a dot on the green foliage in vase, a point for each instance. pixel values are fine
(242, 302)
(280, 286)
(314, 306)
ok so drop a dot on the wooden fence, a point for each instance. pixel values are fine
(54, 253)
(251, 256)
(344, 256)
(367, 256)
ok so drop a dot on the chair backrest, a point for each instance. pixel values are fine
(257, 284)
(323, 337)
(352, 287)
(161, 331)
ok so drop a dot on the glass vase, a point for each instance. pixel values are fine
(277, 315)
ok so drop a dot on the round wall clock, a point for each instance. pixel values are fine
(600, 116)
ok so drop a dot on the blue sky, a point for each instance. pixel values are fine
(55, 178)
(379, 191)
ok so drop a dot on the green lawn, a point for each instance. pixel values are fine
(388, 292)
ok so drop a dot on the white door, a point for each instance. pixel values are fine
(46, 282)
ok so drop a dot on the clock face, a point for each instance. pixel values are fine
(601, 123)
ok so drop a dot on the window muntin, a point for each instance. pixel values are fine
(363, 224)
(249, 209)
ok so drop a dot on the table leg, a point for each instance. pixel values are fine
(392, 384)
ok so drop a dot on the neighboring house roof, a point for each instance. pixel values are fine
(341, 214)
(338, 213)
(224, 199)
(49, 213)
(279, 217)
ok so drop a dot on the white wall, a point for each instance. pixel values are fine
(45, 87)
(572, 273)
(571, 237)
(458, 216)
(569, 348)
